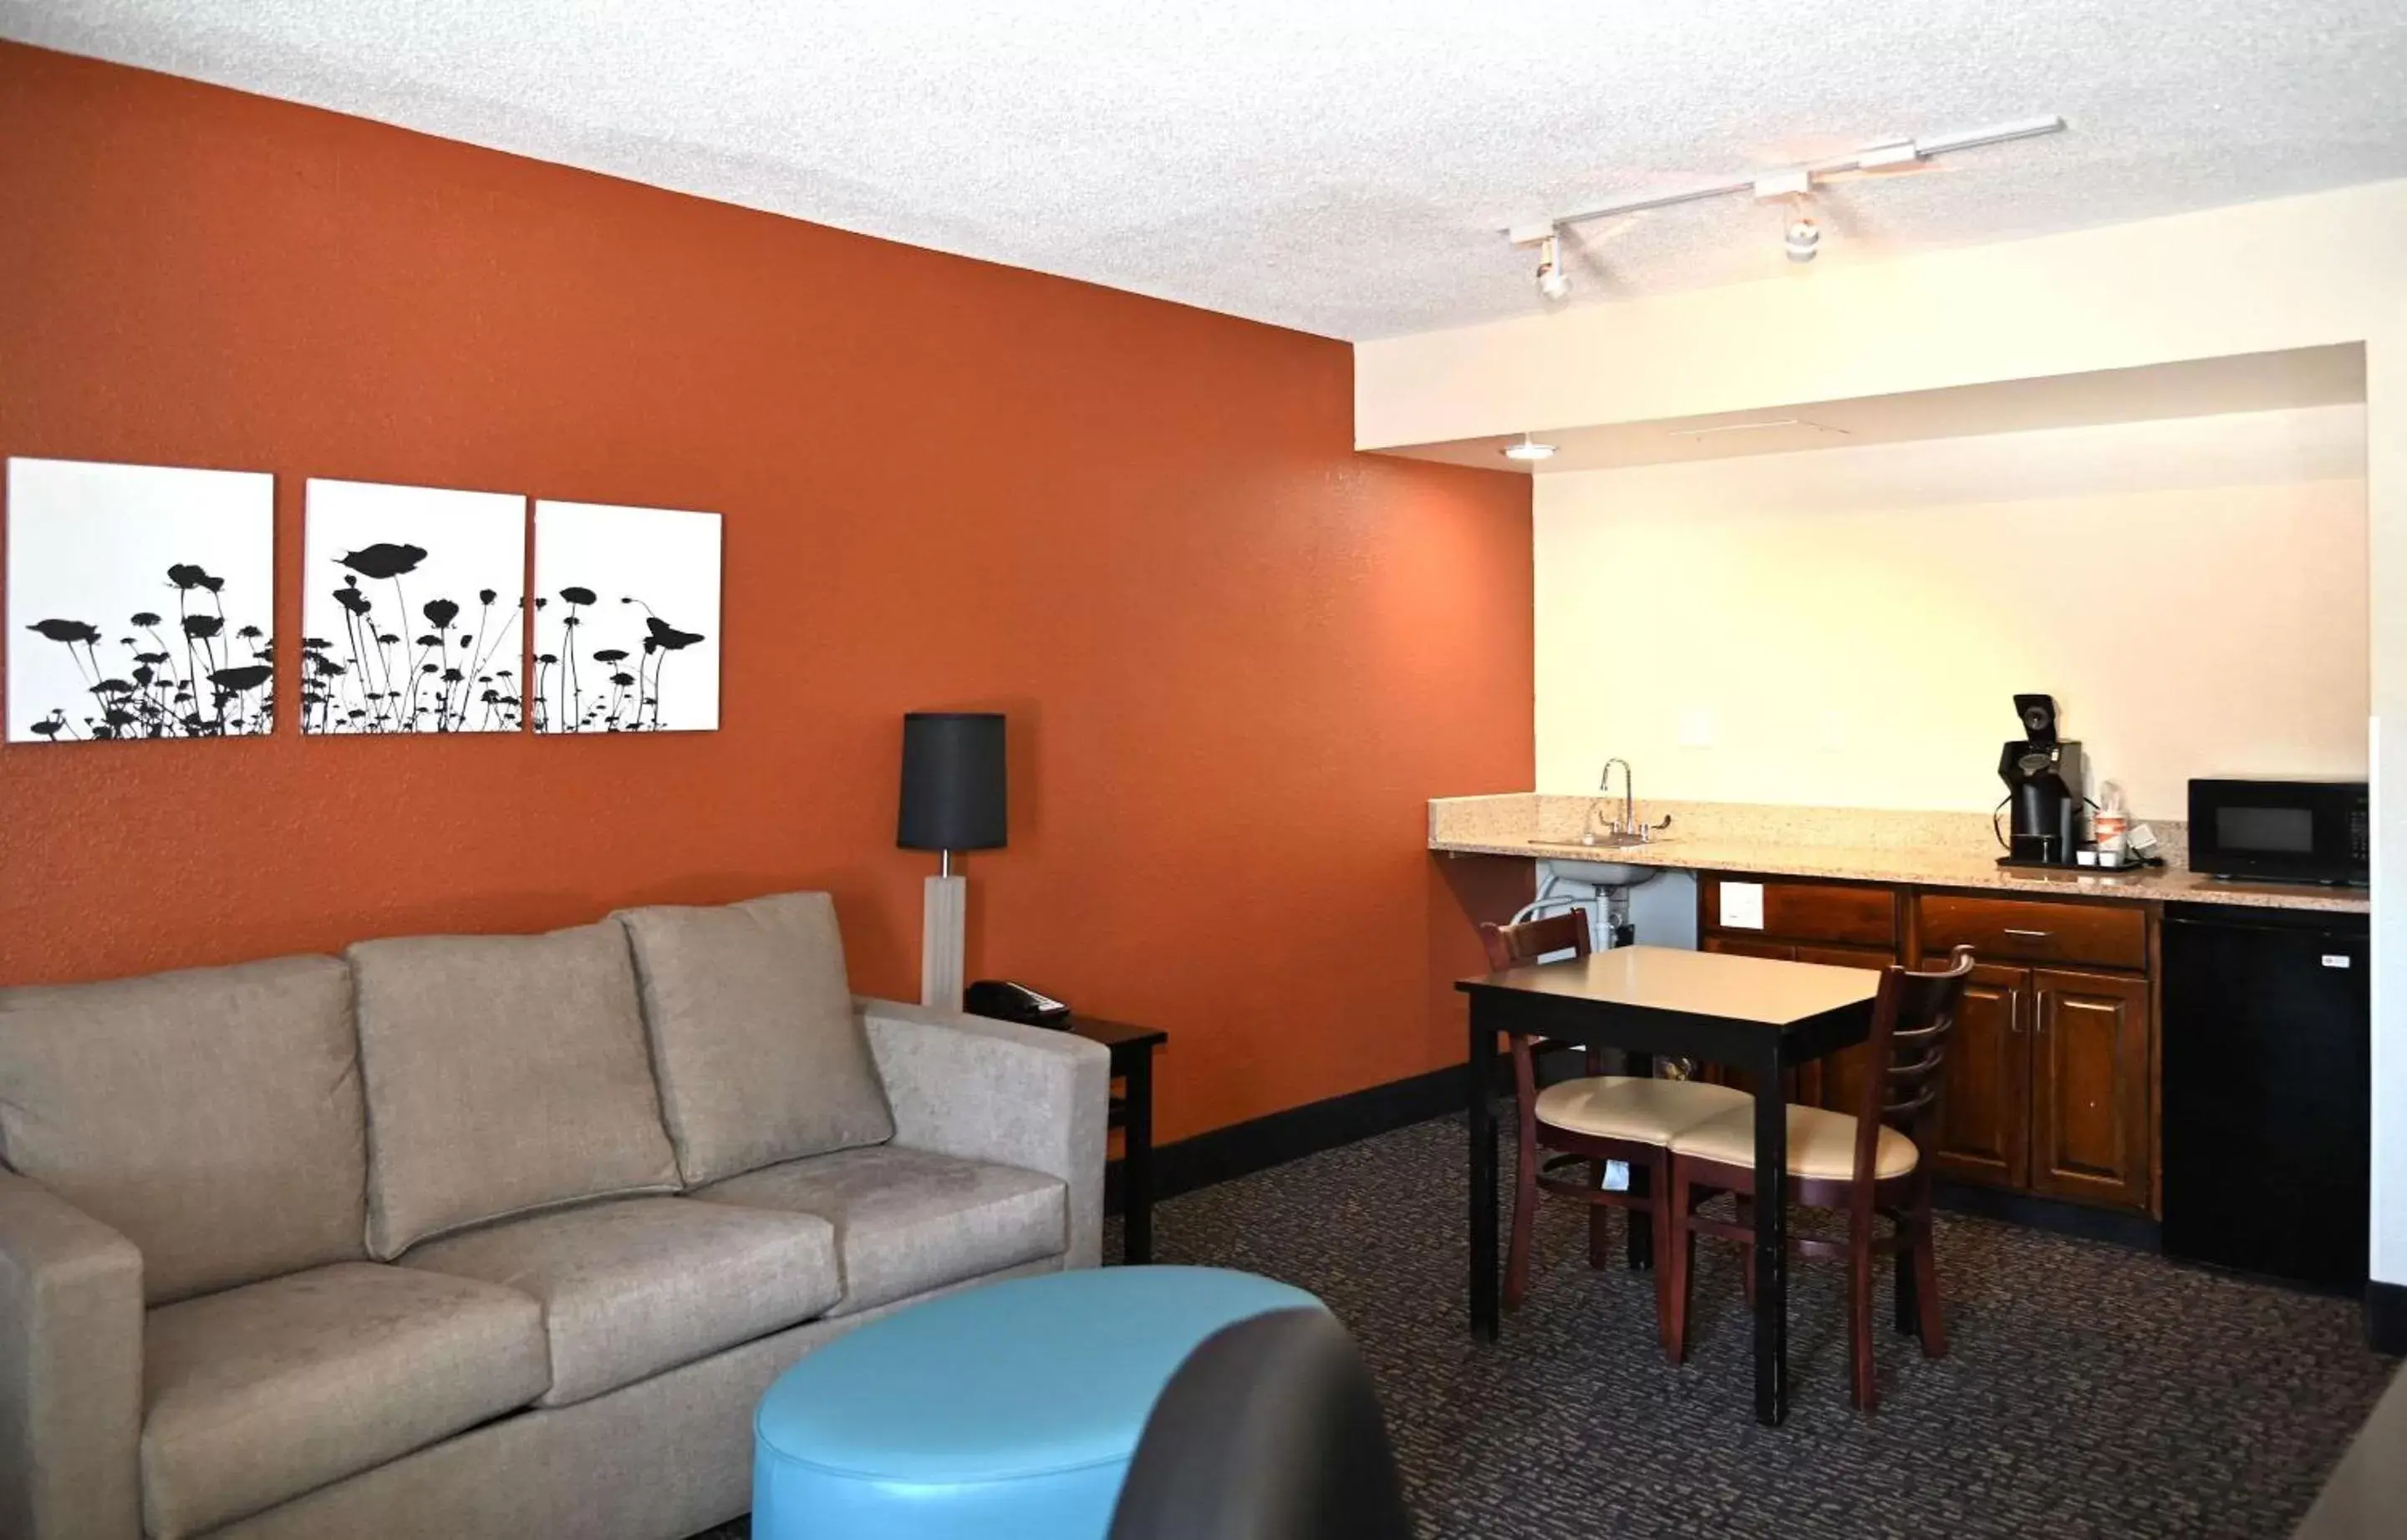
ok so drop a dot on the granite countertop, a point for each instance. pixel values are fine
(1920, 850)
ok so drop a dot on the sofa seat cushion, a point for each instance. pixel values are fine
(635, 1286)
(908, 1220)
(263, 1393)
(210, 1117)
(760, 1057)
(505, 1074)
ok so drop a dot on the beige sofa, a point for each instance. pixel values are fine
(489, 1235)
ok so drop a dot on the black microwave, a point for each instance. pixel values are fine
(2282, 831)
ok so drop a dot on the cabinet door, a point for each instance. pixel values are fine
(1985, 1106)
(1837, 1082)
(2090, 1088)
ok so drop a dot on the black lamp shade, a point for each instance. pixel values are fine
(952, 781)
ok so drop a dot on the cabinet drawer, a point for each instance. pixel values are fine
(1814, 911)
(2003, 930)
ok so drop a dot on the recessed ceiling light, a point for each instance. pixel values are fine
(1529, 449)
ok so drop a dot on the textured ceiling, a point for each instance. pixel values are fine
(1338, 166)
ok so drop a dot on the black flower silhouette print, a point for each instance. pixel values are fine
(140, 598)
(413, 616)
(626, 616)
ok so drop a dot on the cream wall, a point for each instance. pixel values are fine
(2291, 273)
(1846, 627)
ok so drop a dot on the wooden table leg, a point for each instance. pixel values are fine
(1771, 1242)
(1482, 1079)
(1136, 1164)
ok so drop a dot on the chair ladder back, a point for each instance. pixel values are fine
(1912, 1020)
(1510, 946)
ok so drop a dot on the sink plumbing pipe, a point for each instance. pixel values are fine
(1607, 908)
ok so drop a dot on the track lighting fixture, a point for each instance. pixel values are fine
(1803, 238)
(1529, 449)
(1553, 282)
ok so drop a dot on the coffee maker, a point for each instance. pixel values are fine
(2043, 778)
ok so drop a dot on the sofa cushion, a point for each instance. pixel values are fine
(635, 1286)
(908, 1220)
(263, 1393)
(761, 1058)
(505, 1074)
(211, 1116)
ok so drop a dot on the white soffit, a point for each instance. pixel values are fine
(1341, 167)
(2210, 387)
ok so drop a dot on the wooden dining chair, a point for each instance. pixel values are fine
(1589, 1120)
(1873, 1163)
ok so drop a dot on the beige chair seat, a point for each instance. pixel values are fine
(635, 1286)
(1821, 1145)
(266, 1391)
(907, 1221)
(1644, 1110)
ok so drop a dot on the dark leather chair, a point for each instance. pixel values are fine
(1270, 1430)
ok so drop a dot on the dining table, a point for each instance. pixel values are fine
(1762, 1017)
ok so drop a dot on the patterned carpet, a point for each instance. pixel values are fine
(2090, 1390)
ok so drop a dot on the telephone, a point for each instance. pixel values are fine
(1005, 1001)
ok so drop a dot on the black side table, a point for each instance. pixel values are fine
(1132, 1115)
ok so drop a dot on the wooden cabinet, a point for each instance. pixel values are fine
(2090, 1088)
(1850, 914)
(1983, 1107)
(2014, 929)
(2049, 1085)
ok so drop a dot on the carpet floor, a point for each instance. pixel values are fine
(2090, 1390)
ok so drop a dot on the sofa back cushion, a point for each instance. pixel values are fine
(211, 1116)
(505, 1074)
(760, 1057)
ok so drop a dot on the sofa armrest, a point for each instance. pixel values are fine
(70, 1371)
(996, 1090)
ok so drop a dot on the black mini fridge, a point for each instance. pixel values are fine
(2268, 1086)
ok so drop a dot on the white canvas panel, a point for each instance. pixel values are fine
(626, 618)
(141, 602)
(413, 609)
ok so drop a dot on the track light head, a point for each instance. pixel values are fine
(1553, 282)
(1803, 241)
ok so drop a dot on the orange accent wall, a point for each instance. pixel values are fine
(1237, 655)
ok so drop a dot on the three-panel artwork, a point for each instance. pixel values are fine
(140, 604)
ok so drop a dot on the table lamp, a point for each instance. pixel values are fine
(953, 799)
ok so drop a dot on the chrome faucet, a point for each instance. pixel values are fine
(1626, 830)
(1627, 824)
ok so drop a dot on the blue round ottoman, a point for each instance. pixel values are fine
(1004, 1413)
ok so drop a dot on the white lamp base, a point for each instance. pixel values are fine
(944, 942)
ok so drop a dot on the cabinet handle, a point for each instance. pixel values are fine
(2030, 935)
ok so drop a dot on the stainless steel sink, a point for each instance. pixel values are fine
(1574, 866)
